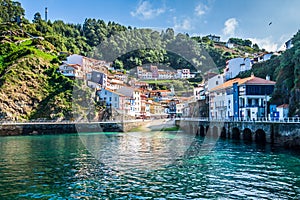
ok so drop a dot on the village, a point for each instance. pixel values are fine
(217, 97)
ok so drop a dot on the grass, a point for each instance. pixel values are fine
(26, 43)
(1, 63)
(41, 54)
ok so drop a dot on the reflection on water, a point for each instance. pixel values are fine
(143, 167)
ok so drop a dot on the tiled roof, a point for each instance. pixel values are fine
(252, 80)
(114, 92)
(259, 81)
(161, 90)
(283, 106)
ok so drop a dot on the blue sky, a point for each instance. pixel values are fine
(248, 19)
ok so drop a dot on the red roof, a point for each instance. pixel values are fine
(252, 80)
(283, 106)
(256, 80)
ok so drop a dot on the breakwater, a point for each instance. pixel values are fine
(45, 128)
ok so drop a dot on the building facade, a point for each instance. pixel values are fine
(235, 66)
(241, 99)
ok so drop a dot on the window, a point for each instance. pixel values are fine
(116, 98)
(109, 98)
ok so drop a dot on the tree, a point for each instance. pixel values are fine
(10, 10)
(37, 17)
(255, 47)
(118, 64)
(247, 43)
(169, 35)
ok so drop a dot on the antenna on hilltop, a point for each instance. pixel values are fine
(46, 13)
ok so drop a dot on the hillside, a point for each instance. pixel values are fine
(30, 87)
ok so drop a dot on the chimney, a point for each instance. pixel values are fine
(46, 13)
(267, 77)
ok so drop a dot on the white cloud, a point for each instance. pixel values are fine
(184, 25)
(145, 11)
(265, 43)
(200, 9)
(230, 26)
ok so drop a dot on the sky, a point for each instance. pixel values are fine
(269, 23)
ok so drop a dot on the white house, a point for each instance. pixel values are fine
(114, 84)
(184, 74)
(86, 63)
(135, 96)
(165, 75)
(71, 70)
(146, 75)
(230, 45)
(235, 66)
(215, 81)
(262, 57)
(121, 76)
(214, 38)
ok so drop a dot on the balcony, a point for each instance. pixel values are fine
(251, 106)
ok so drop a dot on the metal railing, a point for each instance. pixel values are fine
(5, 122)
(205, 119)
(269, 120)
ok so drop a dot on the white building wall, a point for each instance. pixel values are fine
(110, 98)
(179, 108)
(237, 65)
(283, 113)
(93, 85)
(75, 59)
(214, 82)
(138, 102)
(229, 106)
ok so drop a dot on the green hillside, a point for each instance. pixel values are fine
(30, 53)
(285, 70)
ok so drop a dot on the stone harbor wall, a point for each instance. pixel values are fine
(52, 128)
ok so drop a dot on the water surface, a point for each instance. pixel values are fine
(64, 167)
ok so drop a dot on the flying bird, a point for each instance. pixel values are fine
(270, 23)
